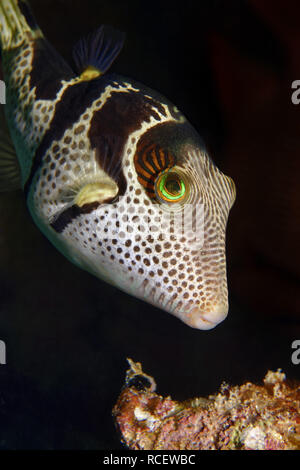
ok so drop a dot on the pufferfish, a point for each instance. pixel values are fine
(113, 173)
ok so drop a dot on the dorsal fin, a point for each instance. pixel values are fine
(10, 176)
(94, 54)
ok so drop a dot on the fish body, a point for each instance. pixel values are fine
(113, 173)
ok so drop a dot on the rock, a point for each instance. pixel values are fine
(246, 417)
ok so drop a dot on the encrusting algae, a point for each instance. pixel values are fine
(246, 417)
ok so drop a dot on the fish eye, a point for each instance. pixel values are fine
(171, 186)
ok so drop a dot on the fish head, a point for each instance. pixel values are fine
(151, 222)
(176, 210)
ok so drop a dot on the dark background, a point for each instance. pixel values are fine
(228, 66)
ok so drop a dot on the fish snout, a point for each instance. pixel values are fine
(205, 320)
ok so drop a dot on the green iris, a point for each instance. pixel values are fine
(171, 187)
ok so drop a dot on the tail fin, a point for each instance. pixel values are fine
(16, 23)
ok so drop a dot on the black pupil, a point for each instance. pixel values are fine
(173, 186)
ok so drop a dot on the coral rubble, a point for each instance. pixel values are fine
(250, 416)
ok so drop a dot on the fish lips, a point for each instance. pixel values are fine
(204, 320)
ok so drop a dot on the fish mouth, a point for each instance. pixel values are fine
(205, 320)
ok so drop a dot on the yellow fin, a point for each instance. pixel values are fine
(90, 73)
(10, 176)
